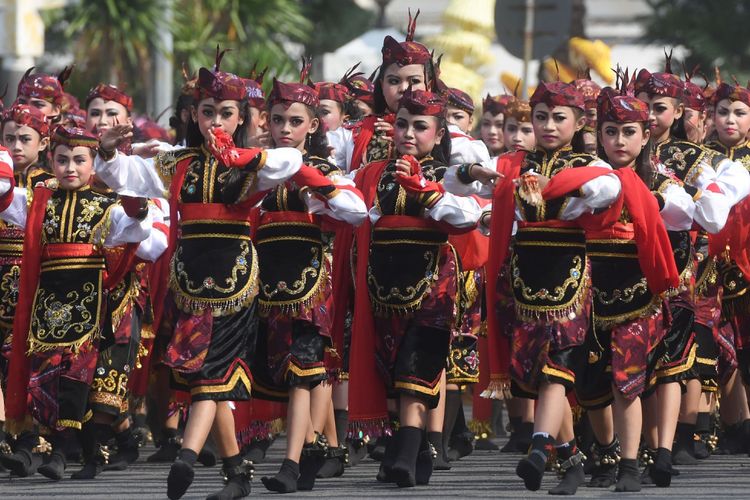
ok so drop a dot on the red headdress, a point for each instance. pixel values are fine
(254, 87)
(496, 104)
(288, 93)
(460, 99)
(218, 84)
(734, 92)
(69, 103)
(694, 96)
(332, 91)
(620, 105)
(360, 87)
(557, 94)
(407, 52)
(110, 93)
(518, 109)
(73, 137)
(661, 84)
(422, 102)
(30, 116)
(589, 89)
(44, 86)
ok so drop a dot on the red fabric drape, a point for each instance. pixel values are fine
(18, 371)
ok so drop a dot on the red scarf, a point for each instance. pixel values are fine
(501, 229)
(19, 369)
(367, 395)
(735, 236)
(655, 254)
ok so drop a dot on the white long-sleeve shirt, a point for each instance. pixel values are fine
(122, 228)
(136, 176)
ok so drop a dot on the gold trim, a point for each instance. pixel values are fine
(287, 223)
(302, 372)
(214, 222)
(554, 372)
(548, 244)
(706, 361)
(681, 368)
(71, 424)
(238, 375)
(541, 229)
(418, 388)
(215, 235)
(612, 254)
(288, 238)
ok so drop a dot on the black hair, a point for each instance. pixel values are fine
(352, 111)
(184, 101)
(442, 152)
(643, 165)
(380, 107)
(317, 142)
(194, 138)
(577, 143)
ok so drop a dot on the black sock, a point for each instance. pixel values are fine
(573, 476)
(703, 423)
(285, 481)
(436, 439)
(2, 431)
(628, 475)
(531, 467)
(515, 424)
(187, 455)
(404, 468)
(341, 417)
(139, 420)
(452, 406)
(567, 450)
(168, 432)
(232, 461)
(123, 437)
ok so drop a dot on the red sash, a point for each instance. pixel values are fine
(501, 229)
(19, 368)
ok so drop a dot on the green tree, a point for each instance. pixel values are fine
(265, 32)
(713, 32)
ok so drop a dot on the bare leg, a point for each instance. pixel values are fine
(298, 424)
(341, 395)
(223, 431)
(200, 421)
(329, 429)
(689, 402)
(436, 416)
(602, 425)
(320, 402)
(566, 433)
(650, 421)
(413, 412)
(669, 410)
(627, 423)
(525, 409)
(550, 410)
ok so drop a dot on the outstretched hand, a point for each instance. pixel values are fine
(114, 136)
(484, 175)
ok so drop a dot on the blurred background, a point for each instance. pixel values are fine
(147, 46)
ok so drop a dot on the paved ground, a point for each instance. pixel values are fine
(480, 475)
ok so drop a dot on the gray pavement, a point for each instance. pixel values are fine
(480, 475)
